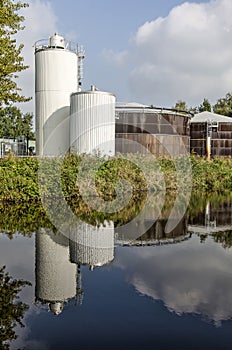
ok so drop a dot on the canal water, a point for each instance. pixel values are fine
(98, 289)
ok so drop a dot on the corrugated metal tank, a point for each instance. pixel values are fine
(162, 132)
(92, 122)
(55, 274)
(56, 77)
(219, 130)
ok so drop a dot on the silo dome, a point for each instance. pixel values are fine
(56, 307)
(56, 41)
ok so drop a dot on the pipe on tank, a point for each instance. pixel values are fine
(208, 139)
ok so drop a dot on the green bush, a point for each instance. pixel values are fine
(19, 176)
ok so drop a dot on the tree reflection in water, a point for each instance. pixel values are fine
(11, 310)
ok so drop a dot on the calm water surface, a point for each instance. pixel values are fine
(157, 292)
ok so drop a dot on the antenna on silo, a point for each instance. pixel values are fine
(81, 56)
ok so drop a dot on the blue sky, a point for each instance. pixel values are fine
(152, 51)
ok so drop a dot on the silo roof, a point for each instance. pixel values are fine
(130, 105)
(136, 107)
(203, 117)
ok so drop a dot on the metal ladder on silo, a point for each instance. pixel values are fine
(81, 56)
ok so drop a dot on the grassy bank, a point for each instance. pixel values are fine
(19, 176)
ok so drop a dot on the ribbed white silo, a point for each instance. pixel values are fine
(93, 246)
(56, 77)
(92, 122)
(56, 276)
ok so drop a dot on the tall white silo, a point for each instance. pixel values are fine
(92, 246)
(92, 122)
(56, 77)
(56, 276)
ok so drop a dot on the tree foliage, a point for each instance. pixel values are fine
(224, 105)
(205, 106)
(181, 106)
(14, 124)
(11, 310)
(11, 60)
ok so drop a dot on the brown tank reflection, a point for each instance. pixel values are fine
(156, 235)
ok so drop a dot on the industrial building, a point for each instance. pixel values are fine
(71, 120)
(211, 134)
(19, 147)
(160, 131)
(68, 119)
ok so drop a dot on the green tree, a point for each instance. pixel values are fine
(27, 125)
(11, 310)
(193, 110)
(11, 60)
(181, 106)
(224, 105)
(14, 124)
(205, 106)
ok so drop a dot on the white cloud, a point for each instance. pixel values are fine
(119, 58)
(195, 282)
(186, 55)
(40, 22)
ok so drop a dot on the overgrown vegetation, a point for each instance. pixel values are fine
(22, 211)
(27, 181)
(19, 176)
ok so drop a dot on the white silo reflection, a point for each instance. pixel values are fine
(56, 276)
(92, 245)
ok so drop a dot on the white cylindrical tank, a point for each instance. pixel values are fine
(93, 246)
(56, 77)
(92, 122)
(56, 276)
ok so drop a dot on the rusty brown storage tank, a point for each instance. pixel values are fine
(163, 132)
(211, 133)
